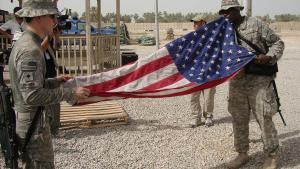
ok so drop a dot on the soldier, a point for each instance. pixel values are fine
(207, 95)
(29, 85)
(250, 92)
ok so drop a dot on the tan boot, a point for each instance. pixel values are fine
(239, 161)
(271, 162)
(209, 122)
(195, 122)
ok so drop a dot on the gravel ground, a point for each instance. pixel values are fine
(157, 136)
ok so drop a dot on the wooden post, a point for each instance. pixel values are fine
(99, 18)
(20, 3)
(119, 59)
(88, 37)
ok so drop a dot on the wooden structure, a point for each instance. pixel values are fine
(88, 54)
(104, 114)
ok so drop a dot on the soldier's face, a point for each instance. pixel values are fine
(199, 24)
(233, 14)
(48, 23)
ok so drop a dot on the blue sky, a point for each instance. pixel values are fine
(260, 7)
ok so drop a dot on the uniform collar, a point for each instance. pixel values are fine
(35, 36)
(243, 25)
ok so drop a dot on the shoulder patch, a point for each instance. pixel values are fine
(29, 66)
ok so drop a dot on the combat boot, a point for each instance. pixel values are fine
(239, 161)
(271, 162)
(195, 122)
(209, 122)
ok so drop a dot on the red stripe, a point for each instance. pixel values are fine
(189, 91)
(128, 78)
(163, 83)
(133, 94)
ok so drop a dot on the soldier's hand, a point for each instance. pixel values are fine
(64, 78)
(82, 93)
(262, 59)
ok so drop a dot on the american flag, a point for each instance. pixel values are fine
(199, 60)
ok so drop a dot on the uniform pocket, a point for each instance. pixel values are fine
(270, 104)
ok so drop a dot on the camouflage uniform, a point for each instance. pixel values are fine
(253, 93)
(54, 110)
(30, 90)
(207, 97)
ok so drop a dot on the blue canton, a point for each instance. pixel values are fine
(209, 53)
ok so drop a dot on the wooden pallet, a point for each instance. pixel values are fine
(103, 114)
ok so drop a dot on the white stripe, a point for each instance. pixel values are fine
(95, 99)
(167, 92)
(148, 79)
(180, 83)
(106, 76)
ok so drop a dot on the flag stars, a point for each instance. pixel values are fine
(203, 62)
(227, 68)
(183, 66)
(192, 42)
(200, 44)
(191, 75)
(195, 61)
(238, 59)
(192, 68)
(186, 58)
(206, 54)
(230, 51)
(177, 55)
(216, 49)
(231, 43)
(180, 47)
(211, 39)
(203, 36)
(171, 44)
(195, 33)
(190, 50)
(240, 52)
(212, 62)
(217, 72)
(197, 53)
(202, 70)
(206, 28)
(214, 56)
(183, 39)
(228, 60)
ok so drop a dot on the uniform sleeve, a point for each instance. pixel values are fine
(52, 83)
(273, 42)
(6, 26)
(31, 82)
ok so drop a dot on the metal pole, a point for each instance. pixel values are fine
(157, 24)
(88, 37)
(249, 8)
(118, 19)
